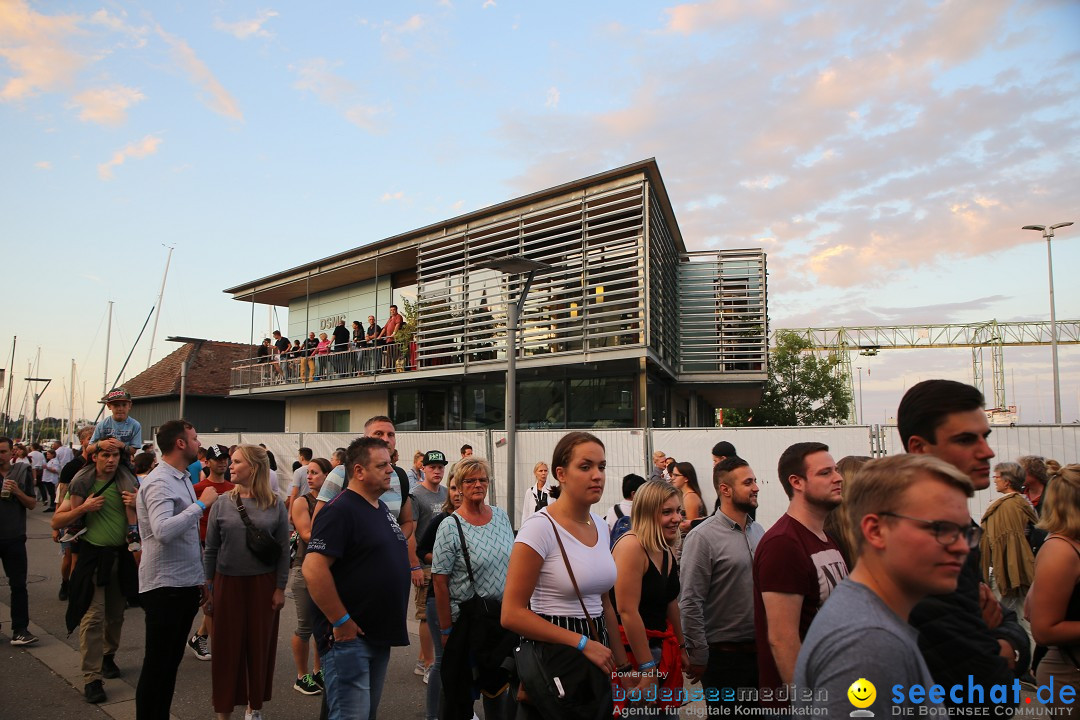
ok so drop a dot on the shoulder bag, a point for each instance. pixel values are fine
(558, 681)
(261, 543)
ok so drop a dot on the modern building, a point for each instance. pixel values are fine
(196, 376)
(626, 328)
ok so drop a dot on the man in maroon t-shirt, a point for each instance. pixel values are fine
(217, 459)
(796, 566)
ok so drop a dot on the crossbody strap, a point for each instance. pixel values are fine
(573, 580)
(243, 513)
(465, 552)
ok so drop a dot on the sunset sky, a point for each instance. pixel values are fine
(884, 154)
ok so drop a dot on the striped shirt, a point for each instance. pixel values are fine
(169, 525)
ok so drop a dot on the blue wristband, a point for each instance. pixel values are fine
(414, 569)
(647, 665)
(582, 643)
(447, 631)
(344, 619)
(201, 504)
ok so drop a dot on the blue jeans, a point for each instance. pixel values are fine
(354, 672)
(434, 687)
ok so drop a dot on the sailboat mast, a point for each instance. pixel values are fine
(108, 339)
(161, 295)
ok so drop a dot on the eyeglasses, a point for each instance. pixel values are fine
(472, 481)
(945, 532)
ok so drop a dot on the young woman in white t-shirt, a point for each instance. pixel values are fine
(539, 602)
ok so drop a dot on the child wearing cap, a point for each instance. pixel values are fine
(119, 430)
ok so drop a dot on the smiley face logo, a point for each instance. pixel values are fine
(862, 693)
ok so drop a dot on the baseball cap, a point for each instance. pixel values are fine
(216, 452)
(723, 449)
(116, 395)
(434, 457)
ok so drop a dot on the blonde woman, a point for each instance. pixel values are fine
(1054, 597)
(246, 593)
(647, 587)
(537, 497)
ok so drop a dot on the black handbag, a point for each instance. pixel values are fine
(491, 642)
(261, 543)
(559, 682)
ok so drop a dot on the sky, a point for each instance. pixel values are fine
(885, 155)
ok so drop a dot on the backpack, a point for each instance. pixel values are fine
(622, 526)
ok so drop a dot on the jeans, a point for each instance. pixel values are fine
(13, 555)
(169, 614)
(354, 672)
(434, 687)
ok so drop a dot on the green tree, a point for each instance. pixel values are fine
(802, 389)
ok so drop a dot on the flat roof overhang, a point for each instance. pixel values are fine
(398, 253)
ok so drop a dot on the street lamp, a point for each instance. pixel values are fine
(513, 265)
(862, 417)
(1048, 233)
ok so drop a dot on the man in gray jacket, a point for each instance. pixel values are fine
(717, 597)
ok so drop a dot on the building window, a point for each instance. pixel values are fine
(484, 406)
(403, 409)
(541, 404)
(333, 421)
(601, 403)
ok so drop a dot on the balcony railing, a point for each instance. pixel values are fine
(355, 362)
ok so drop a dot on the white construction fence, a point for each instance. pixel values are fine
(630, 451)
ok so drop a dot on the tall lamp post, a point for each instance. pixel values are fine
(513, 265)
(198, 342)
(1048, 233)
(862, 417)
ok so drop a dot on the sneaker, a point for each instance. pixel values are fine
(427, 673)
(252, 714)
(72, 534)
(63, 594)
(197, 643)
(134, 542)
(23, 637)
(109, 670)
(306, 686)
(420, 668)
(318, 678)
(95, 692)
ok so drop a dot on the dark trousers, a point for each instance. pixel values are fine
(13, 555)
(735, 670)
(169, 613)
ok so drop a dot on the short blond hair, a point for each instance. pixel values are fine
(657, 454)
(879, 485)
(1061, 503)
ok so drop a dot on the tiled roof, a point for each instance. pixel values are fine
(208, 373)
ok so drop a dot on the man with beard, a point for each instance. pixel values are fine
(796, 565)
(170, 574)
(717, 575)
(965, 632)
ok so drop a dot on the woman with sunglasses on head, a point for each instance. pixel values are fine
(470, 558)
(568, 617)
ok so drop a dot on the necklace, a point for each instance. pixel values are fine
(584, 522)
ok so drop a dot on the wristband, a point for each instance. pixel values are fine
(582, 643)
(344, 619)
(647, 666)
(446, 631)
(414, 569)
(201, 504)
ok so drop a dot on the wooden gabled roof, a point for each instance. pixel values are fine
(208, 372)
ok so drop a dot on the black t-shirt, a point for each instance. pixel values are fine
(369, 552)
(282, 344)
(310, 344)
(341, 337)
(68, 471)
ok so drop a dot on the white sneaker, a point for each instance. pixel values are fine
(250, 714)
(420, 668)
(427, 673)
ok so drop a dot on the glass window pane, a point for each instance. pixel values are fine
(601, 403)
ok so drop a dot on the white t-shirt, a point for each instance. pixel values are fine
(594, 568)
(37, 459)
(51, 474)
(299, 477)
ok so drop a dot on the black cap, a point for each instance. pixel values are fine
(434, 457)
(216, 452)
(723, 449)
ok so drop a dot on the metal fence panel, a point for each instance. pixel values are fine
(761, 447)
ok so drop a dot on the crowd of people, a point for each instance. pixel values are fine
(364, 349)
(876, 589)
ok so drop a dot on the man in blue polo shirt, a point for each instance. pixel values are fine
(356, 543)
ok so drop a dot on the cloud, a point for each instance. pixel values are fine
(36, 50)
(43, 165)
(552, 100)
(488, 4)
(387, 196)
(413, 24)
(243, 29)
(140, 149)
(107, 106)
(216, 97)
(690, 18)
(317, 76)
